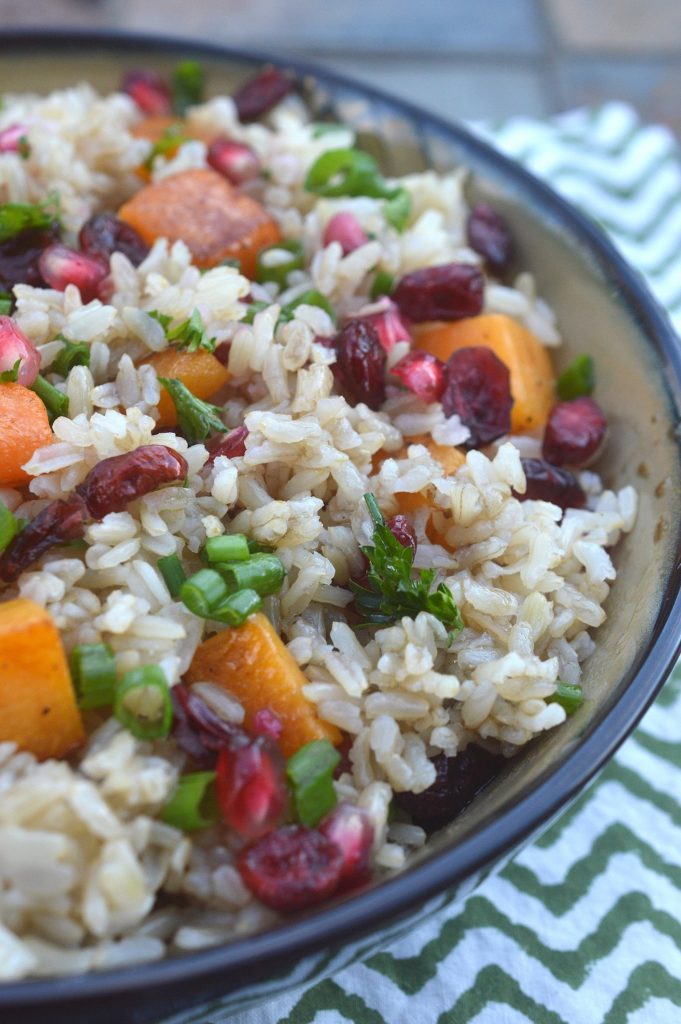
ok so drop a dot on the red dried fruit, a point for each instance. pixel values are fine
(11, 138)
(291, 868)
(261, 93)
(198, 731)
(458, 780)
(549, 483)
(61, 266)
(422, 373)
(266, 723)
(231, 444)
(351, 829)
(19, 257)
(149, 91)
(105, 234)
(403, 531)
(389, 325)
(574, 432)
(250, 787)
(222, 352)
(58, 523)
(14, 345)
(233, 160)
(489, 236)
(479, 391)
(113, 483)
(361, 360)
(449, 291)
(345, 229)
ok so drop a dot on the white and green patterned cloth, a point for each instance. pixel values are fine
(583, 927)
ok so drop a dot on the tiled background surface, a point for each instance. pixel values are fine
(462, 58)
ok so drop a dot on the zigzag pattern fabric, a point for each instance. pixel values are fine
(584, 926)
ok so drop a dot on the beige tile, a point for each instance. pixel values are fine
(619, 25)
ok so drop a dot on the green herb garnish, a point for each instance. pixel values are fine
(54, 400)
(392, 591)
(187, 86)
(6, 303)
(171, 139)
(196, 418)
(11, 376)
(577, 379)
(18, 217)
(191, 334)
(74, 353)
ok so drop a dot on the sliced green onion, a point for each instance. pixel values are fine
(203, 591)
(569, 697)
(347, 172)
(6, 303)
(93, 670)
(17, 217)
(237, 607)
(309, 298)
(262, 573)
(9, 527)
(231, 547)
(184, 809)
(310, 772)
(142, 703)
(187, 86)
(172, 138)
(173, 574)
(272, 267)
(74, 353)
(397, 209)
(577, 379)
(195, 417)
(383, 284)
(256, 548)
(54, 400)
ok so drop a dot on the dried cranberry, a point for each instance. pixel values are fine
(20, 255)
(198, 731)
(362, 359)
(389, 324)
(259, 94)
(345, 229)
(58, 523)
(479, 391)
(11, 138)
(115, 482)
(351, 829)
(574, 432)
(291, 868)
(267, 723)
(250, 787)
(233, 160)
(15, 346)
(222, 352)
(458, 779)
(422, 373)
(149, 91)
(61, 266)
(489, 236)
(403, 531)
(449, 291)
(104, 234)
(232, 444)
(549, 483)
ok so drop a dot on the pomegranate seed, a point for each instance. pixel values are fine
(250, 787)
(574, 432)
(457, 780)
(361, 360)
(14, 345)
(403, 531)
(345, 229)
(389, 325)
(11, 138)
(61, 266)
(449, 291)
(291, 868)
(258, 95)
(351, 829)
(149, 91)
(422, 373)
(104, 234)
(266, 723)
(233, 160)
(489, 236)
(232, 444)
(549, 483)
(20, 256)
(59, 522)
(478, 390)
(113, 483)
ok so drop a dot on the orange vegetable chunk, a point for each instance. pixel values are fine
(199, 371)
(24, 426)
(532, 377)
(449, 457)
(38, 709)
(200, 207)
(253, 664)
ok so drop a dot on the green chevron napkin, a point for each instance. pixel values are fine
(583, 927)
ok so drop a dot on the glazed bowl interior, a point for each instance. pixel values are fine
(602, 309)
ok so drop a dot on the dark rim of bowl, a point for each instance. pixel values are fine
(557, 784)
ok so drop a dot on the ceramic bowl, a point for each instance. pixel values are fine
(603, 308)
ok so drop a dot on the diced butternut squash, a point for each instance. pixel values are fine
(38, 709)
(532, 377)
(154, 128)
(449, 457)
(254, 665)
(199, 371)
(201, 208)
(24, 426)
